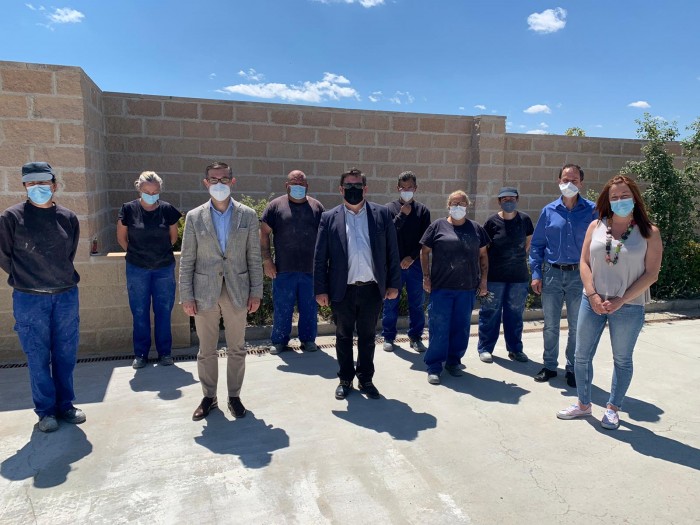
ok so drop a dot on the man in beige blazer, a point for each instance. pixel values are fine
(220, 276)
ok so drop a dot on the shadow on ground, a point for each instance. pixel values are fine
(47, 457)
(317, 363)
(249, 438)
(166, 380)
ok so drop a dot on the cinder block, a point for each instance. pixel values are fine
(69, 81)
(374, 155)
(554, 160)
(204, 130)
(71, 134)
(186, 110)
(632, 149)
(345, 153)
(432, 124)
(251, 114)
(376, 122)
(446, 141)
(27, 81)
(144, 108)
(330, 171)
(67, 108)
(461, 125)
(347, 120)
(144, 145)
(267, 167)
(399, 123)
(285, 116)
(165, 128)
(403, 156)
(13, 106)
(14, 155)
(418, 140)
(179, 146)
(246, 184)
(492, 142)
(233, 131)
(28, 131)
(282, 150)
(361, 138)
(530, 159)
(544, 144)
(267, 133)
(461, 157)
(431, 156)
(312, 152)
(251, 149)
(126, 126)
(61, 156)
(113, 106)
(217, 148)
(316, 118)
(332, 136)
(567, 144)
(390, 139)
(72, 182)
(443, 173)
(222, 112)
(589, 146)
(518, 143)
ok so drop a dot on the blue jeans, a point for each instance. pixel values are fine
(412, 279)
(509, 302)
(156, 286)
(624, 326)
(288, 289)
(559, 287)
(48, 330)
(449, 318)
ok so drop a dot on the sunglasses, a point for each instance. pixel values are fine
(352, 185)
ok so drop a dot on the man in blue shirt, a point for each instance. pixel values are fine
(555, 252)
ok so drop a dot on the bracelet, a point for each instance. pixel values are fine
(594, 293)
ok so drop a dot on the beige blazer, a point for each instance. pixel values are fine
(203, 266)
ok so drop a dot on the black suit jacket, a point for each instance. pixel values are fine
(331, 255)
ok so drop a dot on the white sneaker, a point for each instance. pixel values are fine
(388, 346)
(573, 412)
(486, 357)
(611, 420)
(433, 379)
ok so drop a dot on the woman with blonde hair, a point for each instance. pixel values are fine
(147, 230)
(458, 272)
(621, 258)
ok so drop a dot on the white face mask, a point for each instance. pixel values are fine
(568, 189)
(458, 212)
(220, 192)
(406, 195)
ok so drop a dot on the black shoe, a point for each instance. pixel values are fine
(236, 407)
(571, 379)
(369, 389)
(343, 389)
(206, 406)
(545, 375)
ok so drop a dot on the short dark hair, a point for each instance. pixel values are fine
(567, 166)
(53, 181)
(353, 172)
(215, 166)
(407, 176)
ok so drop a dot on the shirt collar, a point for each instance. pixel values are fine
(362, 210)
(230, 205)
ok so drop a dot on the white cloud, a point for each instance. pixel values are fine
(40, 8)
(461, 108)
(66, 15)
(522, 126)
(642, 104)
(598, 126)
(544, 125)
(331, 87)
(536, 132)
(538, 108)
(509, 124)
(363, 3)
(402, 97)
(251, 75)
(376, 96)
(548, 21)
(480, 106)
(212, 75)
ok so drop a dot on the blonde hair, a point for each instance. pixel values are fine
(458, 193)
(146, 177)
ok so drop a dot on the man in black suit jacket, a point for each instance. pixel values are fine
(356, 267)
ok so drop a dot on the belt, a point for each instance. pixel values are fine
(362, 283)
(49, 291)
(565, 267)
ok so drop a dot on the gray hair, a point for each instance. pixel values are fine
(148, 176)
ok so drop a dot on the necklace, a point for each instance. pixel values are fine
(608, 243)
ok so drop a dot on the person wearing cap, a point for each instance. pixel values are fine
(147, 230)
(510, 231)
(555, 252)
(38, 243)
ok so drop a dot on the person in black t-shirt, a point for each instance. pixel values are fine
(147, 230)
(458, 273)
(411, 219)
(293, 221)
(38, 243)
(510, 232)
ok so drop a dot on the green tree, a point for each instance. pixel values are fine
(672, 200)
(575, 132)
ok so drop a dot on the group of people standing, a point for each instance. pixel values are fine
(355, 258)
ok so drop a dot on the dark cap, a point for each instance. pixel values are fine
(508, 192)
(36, 171)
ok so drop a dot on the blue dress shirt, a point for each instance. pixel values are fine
(559, 234)
(222, 223)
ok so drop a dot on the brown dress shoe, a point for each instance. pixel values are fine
(206, 406)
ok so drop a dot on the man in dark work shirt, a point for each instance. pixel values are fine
(293, 220)
(411, 219)
(38, 242)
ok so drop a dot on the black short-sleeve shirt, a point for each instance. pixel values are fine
(149, 233)
(507, 257)
(294, 228)
(455, 251)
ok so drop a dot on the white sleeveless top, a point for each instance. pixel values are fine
(613, 280)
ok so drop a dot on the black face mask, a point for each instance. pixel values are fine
(353, 196)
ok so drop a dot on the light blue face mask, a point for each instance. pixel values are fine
(297, 192)
(39, 194)
(150, 199)
(623, 207)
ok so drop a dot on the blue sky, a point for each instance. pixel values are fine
(546, 66)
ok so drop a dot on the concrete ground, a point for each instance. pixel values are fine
(485, 448)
